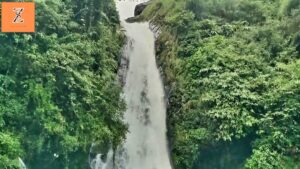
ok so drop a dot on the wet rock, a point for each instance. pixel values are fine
(132, 19)
(140, 8)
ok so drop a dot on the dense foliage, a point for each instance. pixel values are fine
(233, 72)
(58, 87)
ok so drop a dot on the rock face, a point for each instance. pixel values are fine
(140, 8)
(132, 19)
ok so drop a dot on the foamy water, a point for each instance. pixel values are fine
(146, 143)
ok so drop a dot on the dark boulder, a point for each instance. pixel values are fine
(140, 8)
(132, 19)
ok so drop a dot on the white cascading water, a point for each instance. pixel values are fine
(99, 163)
(21, 164)
(146, 143)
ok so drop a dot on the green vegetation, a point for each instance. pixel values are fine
(233, 72)
(58, 87)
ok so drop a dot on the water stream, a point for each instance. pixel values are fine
(99, 163)
(146, 143)
(21, 163)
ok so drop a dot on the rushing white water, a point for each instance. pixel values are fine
(21, 164)
(99, 163)
(146, 143)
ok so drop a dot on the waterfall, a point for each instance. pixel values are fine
(99, 163)
(146, 143)
(21, 163)
(145, 146)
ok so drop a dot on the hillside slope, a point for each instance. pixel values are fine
(232, 69)
(58, 87)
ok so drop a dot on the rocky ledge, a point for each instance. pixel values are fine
(140, 8)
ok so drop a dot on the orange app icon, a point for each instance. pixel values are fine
(18, 17)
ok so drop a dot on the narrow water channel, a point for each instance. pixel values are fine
(146, 143)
